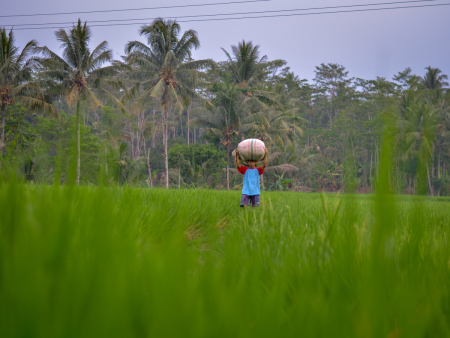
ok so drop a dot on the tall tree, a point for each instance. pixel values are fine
(421, 125)
(246, 63)
(165, 67)
(233, 114)
(332, 79)
(434, 79)
(16, 78)
(78, 73)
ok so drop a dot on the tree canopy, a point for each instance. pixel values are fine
(158, 117)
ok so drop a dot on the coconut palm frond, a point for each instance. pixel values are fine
(158, 89)
(91, 98)
(198, 64)
(40, 104)
(272, 156)
(111, 98)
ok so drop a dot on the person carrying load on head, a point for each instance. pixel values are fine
(250, 190)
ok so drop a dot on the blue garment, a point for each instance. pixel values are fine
(251, 182)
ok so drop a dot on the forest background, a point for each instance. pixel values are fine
(158, 118)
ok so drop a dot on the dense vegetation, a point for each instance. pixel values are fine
(135, 262)
(159, 118)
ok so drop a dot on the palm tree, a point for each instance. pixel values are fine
(78, 73)
(187, 102)
(16, 78)
(233, 114)
(165, 67)
(276, 126)
(421, 125)
(434, 79)
(218, 123)
(245, 63)
(247, 68)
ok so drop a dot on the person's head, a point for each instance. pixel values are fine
(251, 164)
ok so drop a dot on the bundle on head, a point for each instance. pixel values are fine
(250, 149)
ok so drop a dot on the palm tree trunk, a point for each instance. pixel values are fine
(78, 145)
(365, 177)
(429, 181)
(149, 169)
(106, 160)
(166, 160)
(132, 143)
(174, 127)
(2, 142)
(188, 112)
(439, 163)
(153, 130)
(377, 164)
(181, 126)
(228, 165)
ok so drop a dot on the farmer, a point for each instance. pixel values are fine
(250, 190)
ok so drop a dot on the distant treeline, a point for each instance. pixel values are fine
(159, 118)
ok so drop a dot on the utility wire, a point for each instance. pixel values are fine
(228, 14)
(255, 17)
(136, 9)
(317, 13)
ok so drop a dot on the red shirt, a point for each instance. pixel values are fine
(243, 169)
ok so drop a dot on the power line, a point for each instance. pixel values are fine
(228, 14)
(135, 9)
(255, 17)
(318, 13)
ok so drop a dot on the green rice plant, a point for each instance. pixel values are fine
(126, 262)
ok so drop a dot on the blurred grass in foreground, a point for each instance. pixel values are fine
(123, 262)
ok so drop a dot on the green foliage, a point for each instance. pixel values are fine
(116, 262)
(19, 128)
(121, 261)
(245, 63)
(61, 134)
(325, 134)
(278, 182)
(189, 159)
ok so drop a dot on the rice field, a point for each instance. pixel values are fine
(128, 262)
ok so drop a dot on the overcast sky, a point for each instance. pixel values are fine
(368, 44)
